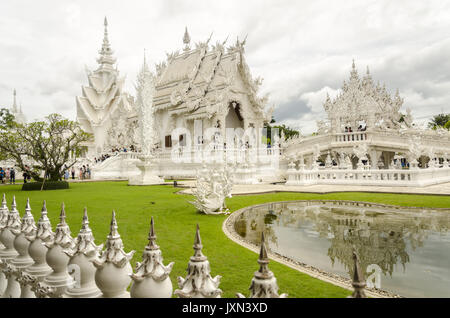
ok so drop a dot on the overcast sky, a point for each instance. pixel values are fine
(302, 49)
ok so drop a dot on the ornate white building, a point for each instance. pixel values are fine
(366, 139)
(104, 108)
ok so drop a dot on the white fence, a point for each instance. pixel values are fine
(391, 177)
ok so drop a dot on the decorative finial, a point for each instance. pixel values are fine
(85, 222)
(264, 284)
(113, 233)
(186, 40)
(368, 72)
(13, 204)
(358, 282)
(106, 22)
(62, 215)
(198, 255)
(152, 237)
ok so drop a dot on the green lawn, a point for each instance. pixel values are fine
(175, 221)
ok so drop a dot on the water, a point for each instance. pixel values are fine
(408, 247)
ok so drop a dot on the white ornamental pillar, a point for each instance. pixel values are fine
(37, 250)
(21, 244)
(264, 284)
(81, 256)
(4, 211)
(9, 252)
(152, 277)
(113, 266)
(59, 279)
(198, 282)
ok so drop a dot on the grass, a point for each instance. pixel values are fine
(175, 221)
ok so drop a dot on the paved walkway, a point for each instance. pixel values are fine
(241, 189)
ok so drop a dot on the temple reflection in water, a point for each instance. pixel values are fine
(381, 235)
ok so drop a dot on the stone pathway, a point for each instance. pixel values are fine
(241, 189)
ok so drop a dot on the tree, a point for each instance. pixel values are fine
(6, 122)
(47, 144)
(287, 131)
(439, 121)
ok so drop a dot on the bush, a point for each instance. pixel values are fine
(48, 185)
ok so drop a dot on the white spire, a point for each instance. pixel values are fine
(14, 106)
(106, 52)
(186, 40)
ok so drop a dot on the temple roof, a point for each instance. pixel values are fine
(361, 99)
(204, 77)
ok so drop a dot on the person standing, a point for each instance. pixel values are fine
(12, 176)
(2, 175)
(7, 175)
(73, 173)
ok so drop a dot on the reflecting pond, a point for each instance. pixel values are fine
(408, 247)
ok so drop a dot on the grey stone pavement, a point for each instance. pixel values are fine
(240, 189)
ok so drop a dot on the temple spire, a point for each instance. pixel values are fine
(186, 40)
(14, 106)
(106, 51)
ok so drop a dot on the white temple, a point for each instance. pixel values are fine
(366, 139)
(19, 116)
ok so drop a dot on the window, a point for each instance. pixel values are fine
(168, 142)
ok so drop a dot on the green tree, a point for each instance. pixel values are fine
(48, 144)
(439, 120)
(287, 131)
(447, 125)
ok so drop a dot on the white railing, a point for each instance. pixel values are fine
(391, 177)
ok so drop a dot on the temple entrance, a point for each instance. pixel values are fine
(234, 118)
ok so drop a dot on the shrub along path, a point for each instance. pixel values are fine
(175, 221)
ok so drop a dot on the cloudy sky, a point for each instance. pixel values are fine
(302, 49)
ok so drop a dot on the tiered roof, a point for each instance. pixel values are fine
(199, 82)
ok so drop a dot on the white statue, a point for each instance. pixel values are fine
(151, 279)
(198, 282)
(360, 152)
(212, 187)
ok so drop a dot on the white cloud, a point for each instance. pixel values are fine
(301, 48)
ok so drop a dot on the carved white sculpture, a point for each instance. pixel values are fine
(21, 244)
(4, 211)
(81, 256)
(57, 259)
(113, 266)
(37, 250)
(151, 279)
(198, 282)
(147, 131)
(415, 151)
(264, 284)
(102, 98)
(212, 187)
(8, 236)
(360, 152)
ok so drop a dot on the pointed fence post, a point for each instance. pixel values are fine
(4, 211)
(113, 266)
(59, 279)
(37, 250)
(152, 277)
(7, 237)
(198, 282)
(81, 256)
(21, 244)
(358, 281)
(264, 284)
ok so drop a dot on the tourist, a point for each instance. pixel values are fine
(12, 176)
(73, 173)
(66, 174)
(2, 173)
(88, 170)
(7, 175)
(80, 176)
(346, 129)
